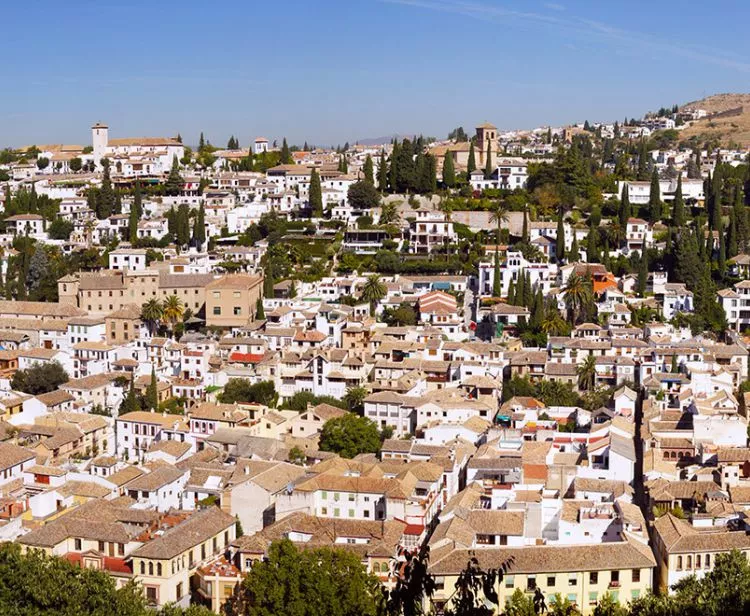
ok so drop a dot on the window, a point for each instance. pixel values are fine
(77, 544)
(572, 579)
(531, 583)
(679, 563)
(593, 597)
(152, 596)
(634, 594)
(637, 574)
(237, 311)
(689, 562)
(158, 569)
(217, 310)
(708, 561)
(151, 568)
(143, 568)
(101, 546)
(336, 512)
(550, 581)
(509, 581)
(594, 577)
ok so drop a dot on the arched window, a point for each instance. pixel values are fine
(158, 569)
(679, 563)
(143, 568)
(689, 562)
(376, 567)
(151, 568)
(708, 561)
(698, 561)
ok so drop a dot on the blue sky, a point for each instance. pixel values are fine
(329, 71)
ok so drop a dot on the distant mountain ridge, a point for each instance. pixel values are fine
(383, 140)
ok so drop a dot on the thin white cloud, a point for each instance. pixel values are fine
(636, 41)
(554, 6)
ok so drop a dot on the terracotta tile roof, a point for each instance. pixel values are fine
(198, 528)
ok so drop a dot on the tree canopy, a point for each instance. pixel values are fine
(350, 435)
(39, 378)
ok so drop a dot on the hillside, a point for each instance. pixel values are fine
(730, 129)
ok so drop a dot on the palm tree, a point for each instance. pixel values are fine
(88, 228)
(553, 324)
(172, 310)
(373, 291)
(498, 215)
(587, 373)
(616, 233)
(577, 293)
(389, 213)
(355, 397)
(152, 312)
(446, 207)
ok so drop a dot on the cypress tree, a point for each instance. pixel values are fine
(133, 224)
(130, 402)
(496, 285)
(511, 299)
(268, 283)
(716, 198)
(201, 143)
(642, 173)
(574, 255)
(537, 312)
(520, 288)
(343, 167)
(592, 249)
(525, 227)
(199, 227)
(654, 199)
(117, 208)
(260, 313)
(528, 291)
(471, 165)
(137, 200)
(605, 253)
(174, 183)
(428, 174)
(183, 224)
(732, 243)
(678, 207)
(152, 392)
(105, 201)
(722, 257)
(172, 221)
(642, 274)
(488, 162)
(560, 238)
(369, 171)
(449, 170)
(394, 172)
(383, 173)
(286, 154)
(316, 195)
(625, 211)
